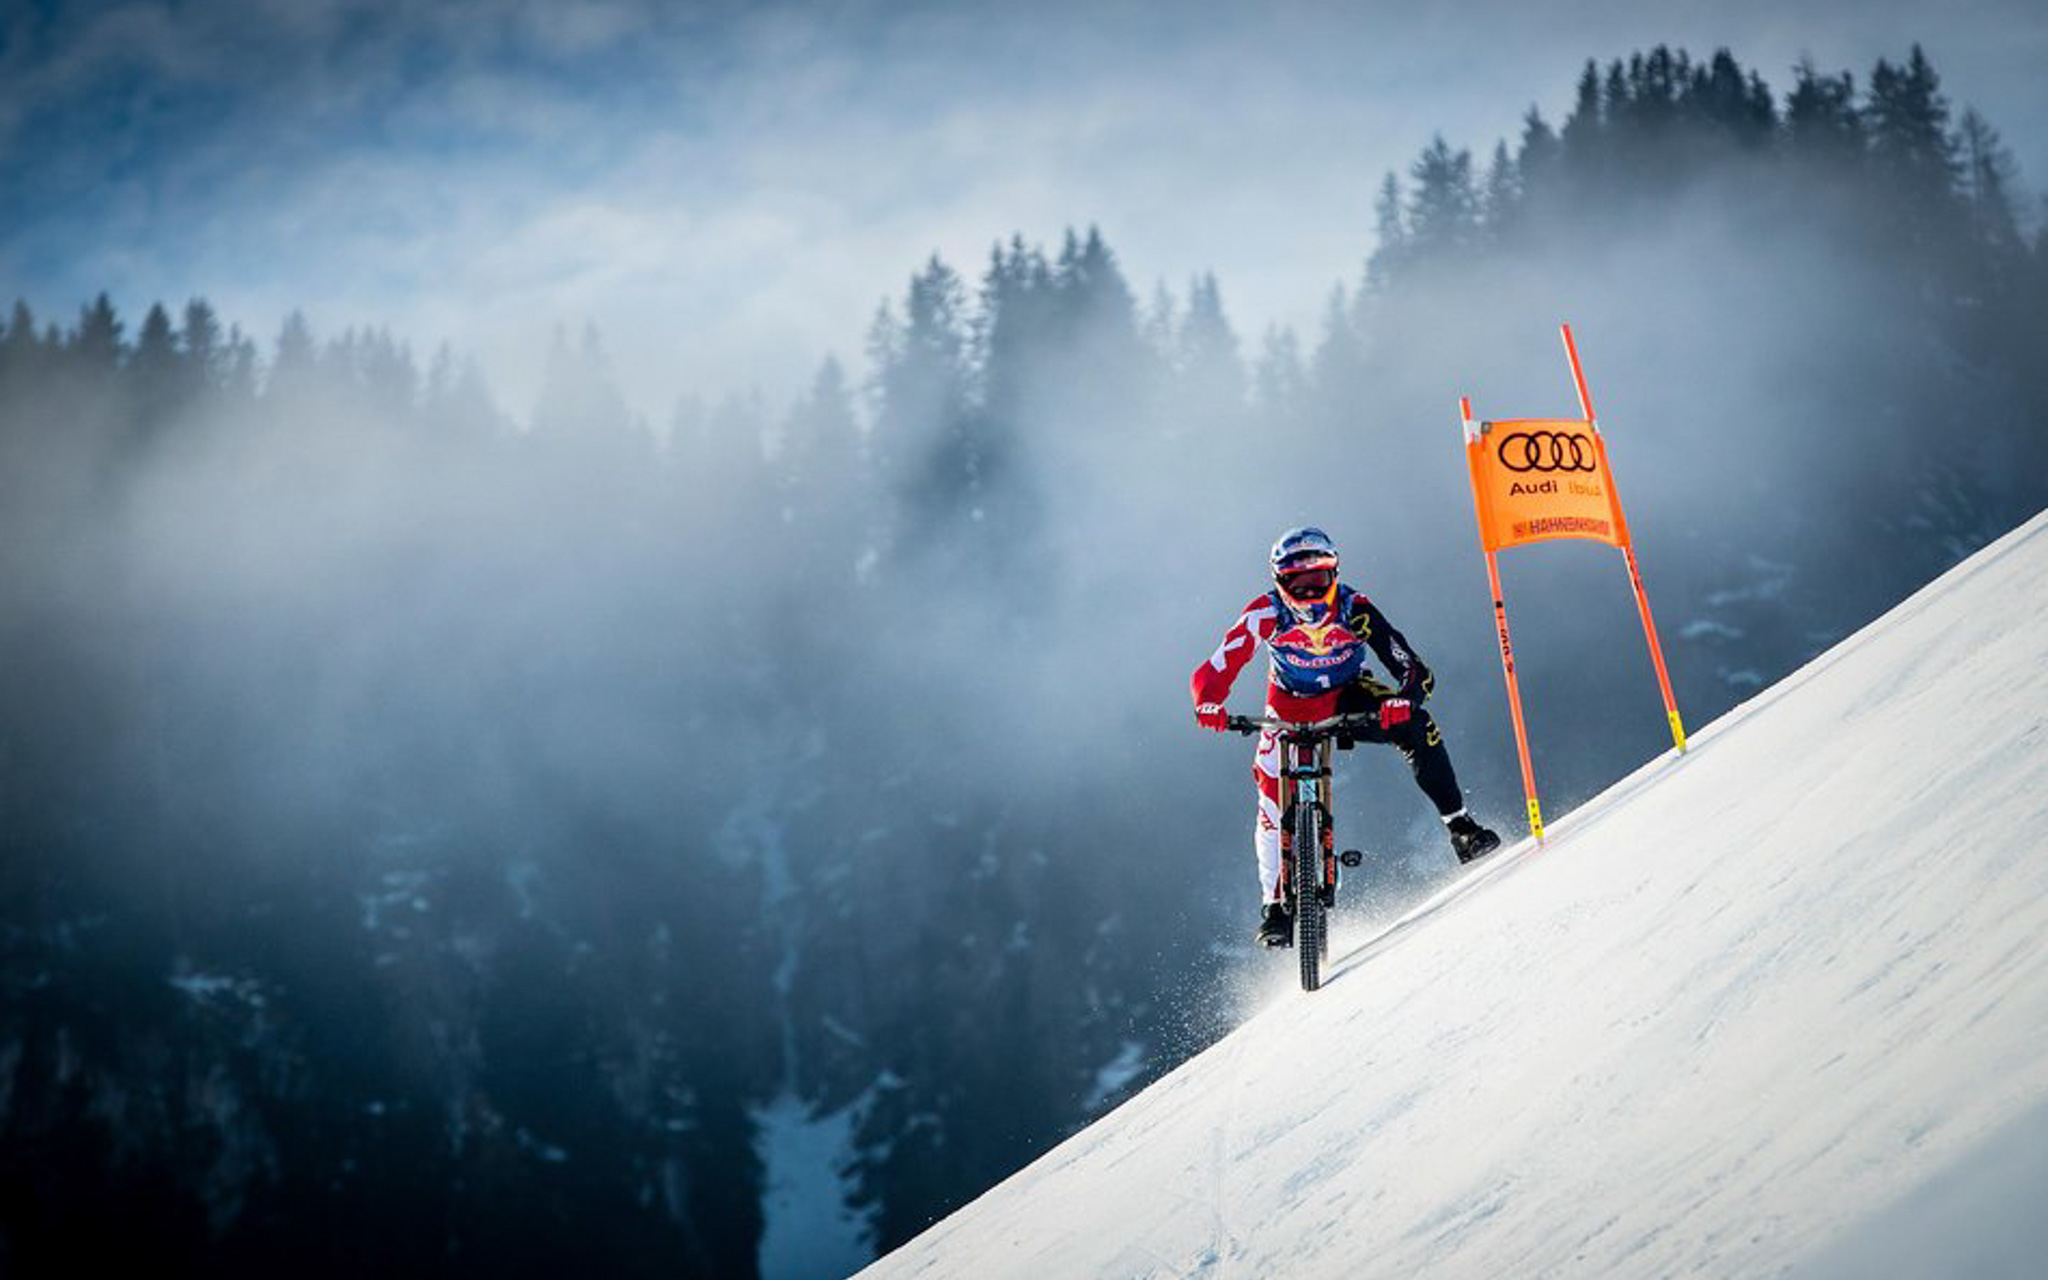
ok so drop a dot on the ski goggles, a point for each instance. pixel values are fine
(1308, 582)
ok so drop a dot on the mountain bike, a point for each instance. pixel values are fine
(1310, 869)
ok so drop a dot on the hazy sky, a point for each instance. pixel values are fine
(728, 190)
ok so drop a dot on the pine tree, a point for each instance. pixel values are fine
(1211, 372)
(154, 374)
(1615, 106)
(389, 380)
(1093, 284)
(1537, 165)
(1500, 200)
(239, 367)
(1822, 126)
(1989, 177)
(295, 368)
(206, 355)
(1013, 332)
(1582, 138)
(1717, 96)
(1656, 85)
(818, 447)
(1758, 124)
(1443, 207)
(1161, 323)
(21, 350)
(96, 344)
(922, 391)
(1102, 361)
(931, 377)
(1906, 119)
(1390, 236)
(821, 478)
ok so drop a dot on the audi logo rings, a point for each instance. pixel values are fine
(1547, 451)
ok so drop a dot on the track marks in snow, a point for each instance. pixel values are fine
(1223, 1241)
(1493, 868)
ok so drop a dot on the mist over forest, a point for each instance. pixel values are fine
(448, 837)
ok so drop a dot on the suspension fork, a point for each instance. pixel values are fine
(1305, 779)
(1326, 829)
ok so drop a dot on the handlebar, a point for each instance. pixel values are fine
(1306, 731)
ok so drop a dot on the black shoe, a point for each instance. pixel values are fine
(1276, 927)
(1470, 840)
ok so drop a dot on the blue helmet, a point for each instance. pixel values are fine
(1305, 548)
(1305, 569)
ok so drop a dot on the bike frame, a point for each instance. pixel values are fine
(1305, 779)
(1308, 857)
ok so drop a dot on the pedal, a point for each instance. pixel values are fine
(1351, 858)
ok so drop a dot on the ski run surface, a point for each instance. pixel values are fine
(1778, 1006)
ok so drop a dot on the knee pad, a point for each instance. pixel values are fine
(1419, 731)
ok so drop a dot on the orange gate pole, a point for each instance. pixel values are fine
(1507, 666)
(1635, 577)
(1628, 551)
(1507, 647)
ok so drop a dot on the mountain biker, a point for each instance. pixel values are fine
(1316, 631)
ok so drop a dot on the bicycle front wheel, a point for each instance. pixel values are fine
(1305, 867)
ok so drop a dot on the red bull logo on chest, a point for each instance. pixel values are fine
(1330, 639)
(1314, 659)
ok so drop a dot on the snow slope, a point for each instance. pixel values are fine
(1777, 1006)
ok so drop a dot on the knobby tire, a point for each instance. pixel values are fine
(1306, 870)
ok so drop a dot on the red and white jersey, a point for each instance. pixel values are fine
(1336, 646)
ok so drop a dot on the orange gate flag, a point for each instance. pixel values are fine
(1539, 478)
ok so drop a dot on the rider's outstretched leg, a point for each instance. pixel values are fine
(1421, 743)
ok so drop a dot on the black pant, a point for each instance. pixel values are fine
(1418, 738)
